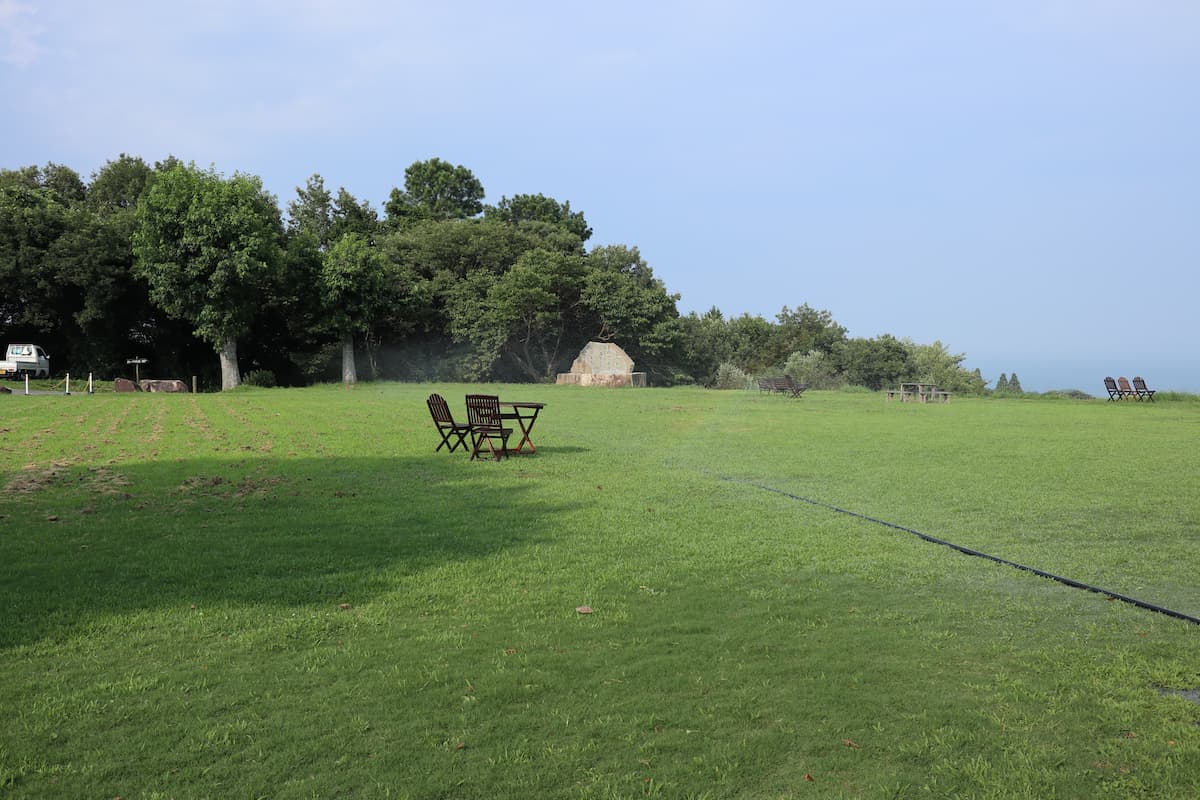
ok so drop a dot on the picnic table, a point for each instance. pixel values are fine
(526, 415)
(919, 393)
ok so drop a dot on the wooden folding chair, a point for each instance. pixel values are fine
(453, 433)
(1113, 392)
(1127, 392)
(483, 416)
(1139, 386)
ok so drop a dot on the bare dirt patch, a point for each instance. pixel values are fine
(217, 486)
(36, 478)
(104, 481)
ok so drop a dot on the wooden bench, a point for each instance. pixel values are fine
(919, 393)
(784, 384)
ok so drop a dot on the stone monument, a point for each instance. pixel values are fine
(147, 385)
(602, 364)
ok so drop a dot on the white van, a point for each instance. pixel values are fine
(25, 359)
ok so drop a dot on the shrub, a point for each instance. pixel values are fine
(814, 369)
(259, 377)
(1067, 394)
(729, 376)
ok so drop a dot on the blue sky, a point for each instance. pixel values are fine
(1019, 180)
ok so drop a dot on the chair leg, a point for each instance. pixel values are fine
(478, 438)
(503, 451)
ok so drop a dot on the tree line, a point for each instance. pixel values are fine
(204, 274)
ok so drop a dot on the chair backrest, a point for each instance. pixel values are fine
(483, 409)
(439, 410)
(1110, 384)
(1139, 384)
(1124, 382)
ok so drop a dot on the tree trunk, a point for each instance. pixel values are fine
(371, 344)
(349, 373)
(230, 377)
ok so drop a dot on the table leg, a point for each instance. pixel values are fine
(525, 431)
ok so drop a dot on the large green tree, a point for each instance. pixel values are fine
(537, 212)
(435, 189)
(522, 318)
(624, 303)
(210, 248)
(705, 345)
(66, 261)
(356, 287)
(55, 258)
(802, 330)
(33, 218)
(933, 363)
(877, 363)
(445, 267)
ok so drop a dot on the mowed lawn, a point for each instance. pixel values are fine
(288, 594)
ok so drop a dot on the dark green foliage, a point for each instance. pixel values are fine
(803, 330)
(263, 378)
(535, 210)
(877, 363)
(119, 185)
(1008, 386)
(435, 189)
(66, 263)
(1068, 394)
(211, 250)
(443, 288)
(935, 364)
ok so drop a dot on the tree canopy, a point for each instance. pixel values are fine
(210, 249)
(435, 189)
(175, 262)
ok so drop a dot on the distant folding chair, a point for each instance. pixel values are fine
(1113, 392)
(454, 434)
(1139, 386)
(483, 416)
(1127, 391)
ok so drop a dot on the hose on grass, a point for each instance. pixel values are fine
(978, 553)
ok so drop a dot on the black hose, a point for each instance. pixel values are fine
(971, 552)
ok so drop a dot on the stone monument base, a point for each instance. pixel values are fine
(610, 379)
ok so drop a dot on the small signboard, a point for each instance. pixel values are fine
(137, 367)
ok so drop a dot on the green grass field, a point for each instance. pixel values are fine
(288, 594)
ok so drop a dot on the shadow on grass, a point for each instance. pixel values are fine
(90, 543)
(545, 449)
